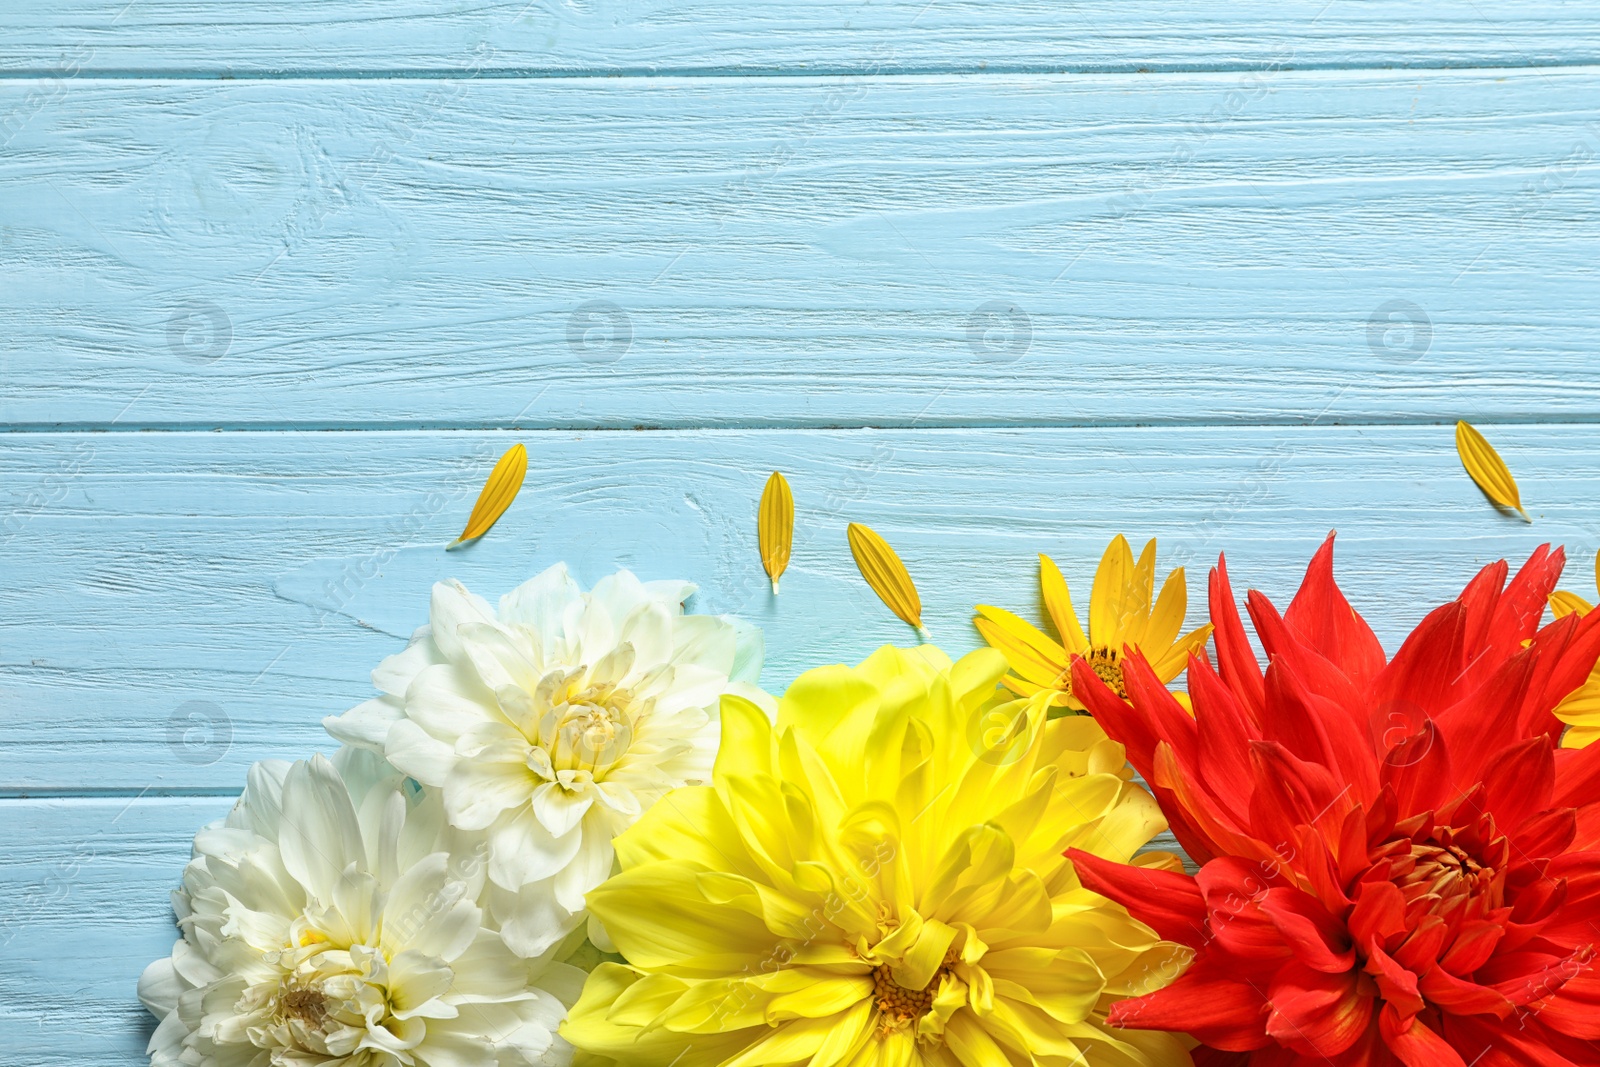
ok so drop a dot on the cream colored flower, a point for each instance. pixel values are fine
(554, 723)
(333, 918)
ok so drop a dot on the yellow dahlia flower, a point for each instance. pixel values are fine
(878, 879)
(1581, 710)
(1120, 614)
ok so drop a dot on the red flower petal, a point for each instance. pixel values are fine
(1317, 1014)
(1319, 940)
(1397, 985)
(1166, 901)
(1414, 1043)
(1236, 661)
(1444, 989)
(1324, 619)
(1575, 1011)
(1522, 781)
(1221, 1011)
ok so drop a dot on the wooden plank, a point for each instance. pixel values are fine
(1280, 247)
(179, 604)
(86, 884)
(623, 36)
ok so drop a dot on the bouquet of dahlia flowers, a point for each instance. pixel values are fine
(572, 825)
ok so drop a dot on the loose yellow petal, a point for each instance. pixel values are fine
(775, 527)
(1486, 467)
(885, 574)
(498, 492)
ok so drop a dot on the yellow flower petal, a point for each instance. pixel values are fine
(929, 920)
(1166, 618)
(1563, 603)
(1170, 665)
(498, 493)
(1107, 600)
(1058, 603)
(1580, 736)
(1136, 597)
(884, 572)
(1487, 469)
(1041, 643)
(1028, 652)
(775, 527)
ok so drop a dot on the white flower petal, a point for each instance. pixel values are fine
(649, 629)
(318, 830)
(591, 866)
(521, 850)
(367, 724)
(559, 809)
(166, 1044)
(159, 987)
(259, 806)
(416, 981)
(447, 701)
(393, 676)
(531, 921)
(671, 592)
(489, 971)
(453, 607)
(498, 658)
(620, 594)
(428, 910)
(591, 630)
(704, 641)
(539, 602)
(427, 760)
(477, 791)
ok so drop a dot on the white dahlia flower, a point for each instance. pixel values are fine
(333, 918)
(553, 723)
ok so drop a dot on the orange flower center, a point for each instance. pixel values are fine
(895, 1000)
(900, 1006)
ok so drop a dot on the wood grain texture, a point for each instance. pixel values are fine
(1061, 250)
(893, 36)
(179, 604)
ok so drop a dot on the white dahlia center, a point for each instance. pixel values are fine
(589, 731)
(327, 1005)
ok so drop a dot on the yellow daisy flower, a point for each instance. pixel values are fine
(1581, 710)
(1120, 614)
(879, 881)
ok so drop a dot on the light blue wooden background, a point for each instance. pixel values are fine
(279, 280)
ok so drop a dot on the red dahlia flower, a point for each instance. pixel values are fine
(1398, 864)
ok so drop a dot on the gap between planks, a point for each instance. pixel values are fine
(776, 425)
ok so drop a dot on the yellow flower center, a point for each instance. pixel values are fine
(590, 730)
(1106, 663)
